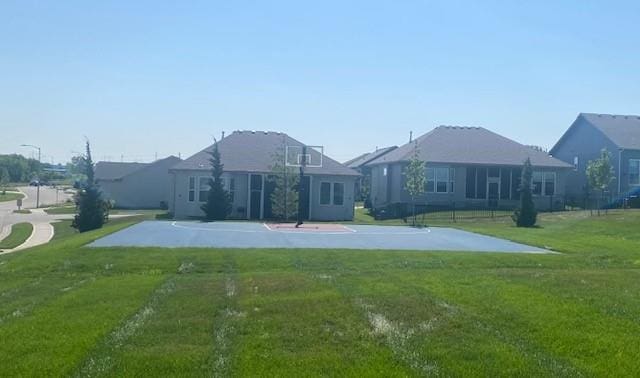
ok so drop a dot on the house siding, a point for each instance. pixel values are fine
(144, 189)
(385, 193)
(586, 142)
(182, 208)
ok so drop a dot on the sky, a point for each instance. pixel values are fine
(141, 79)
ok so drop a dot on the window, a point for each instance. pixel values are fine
(634, 172)
(442, 180)
(431, 181)
(325, 193)
(338, 193)
(203, 188)
(384, 171)
(536, 183)
(575, 163)
(549, 183)
(439, 180)
(192, 189)
(231, 188)
(516, 178)
(482, 183)
(505, 183)
(471, 183)
(332, 193)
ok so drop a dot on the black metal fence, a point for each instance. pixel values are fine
(454, 212)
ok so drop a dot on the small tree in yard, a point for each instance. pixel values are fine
(415, 179)
(218, 205)
(600, 174)
(526, 215)
(284, 198)
(92, 212)
(4, 179)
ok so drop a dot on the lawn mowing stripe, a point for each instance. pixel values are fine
(550, 322)
(55, 337)
(307, 335)
(99, 361)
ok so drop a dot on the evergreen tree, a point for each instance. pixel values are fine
(415, 179)
(600, 174)
(284, 198)
(526, 215)
(4, 179)
(92, 212)
(218, 205)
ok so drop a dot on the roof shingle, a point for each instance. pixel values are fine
(469, 145)
(623, 130)
(253, 151)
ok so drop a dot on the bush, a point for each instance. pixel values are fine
(526, 215)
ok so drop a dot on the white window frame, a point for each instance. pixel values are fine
(448, 182)
(544, 183)
(199, 186)
(638, 182)
(190, 189)
(332, 185)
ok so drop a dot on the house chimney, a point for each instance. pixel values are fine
(410, 136)
(222, 135)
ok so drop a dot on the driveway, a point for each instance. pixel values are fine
(257, 235)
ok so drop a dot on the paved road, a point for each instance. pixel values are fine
(41, 221)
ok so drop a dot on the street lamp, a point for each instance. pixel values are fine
(38, 186)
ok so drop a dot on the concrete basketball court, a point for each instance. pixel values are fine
(263, 235)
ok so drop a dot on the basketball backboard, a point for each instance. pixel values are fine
(304, 156)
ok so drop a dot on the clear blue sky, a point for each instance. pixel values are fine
(140, 77)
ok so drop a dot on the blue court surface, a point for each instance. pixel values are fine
(259, 235)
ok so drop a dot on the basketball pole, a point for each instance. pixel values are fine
(301, 189)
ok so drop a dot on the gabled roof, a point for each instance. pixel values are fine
(469, 145)
(253, 151)
(363, 159)
(622, 130)
(109, 170)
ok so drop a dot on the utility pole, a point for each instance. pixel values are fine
(39, 163)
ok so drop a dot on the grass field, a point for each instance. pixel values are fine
(70, 310)
(10, 196)
(20, 232)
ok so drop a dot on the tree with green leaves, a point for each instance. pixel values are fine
(526, 215)
(218, 205)
(415, 179)
(92, 211)
(600, 173)
(4, 179)
(284, 198)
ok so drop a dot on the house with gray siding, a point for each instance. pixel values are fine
(587, 136)
(135, 185)
(359, 164)
(468, 167)
(248, 158)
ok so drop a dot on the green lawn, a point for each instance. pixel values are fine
(70, 310)
(10, 196)
(20, 232)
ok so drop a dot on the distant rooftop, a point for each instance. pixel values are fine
(363, 159)
(623, 130)
(469, 145)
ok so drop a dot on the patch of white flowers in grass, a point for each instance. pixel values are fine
(100, 361)
(398, 337)
(230, 287)
(186, 267)
(108, 266)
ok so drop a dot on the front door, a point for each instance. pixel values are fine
(256, 196)
(493, 193)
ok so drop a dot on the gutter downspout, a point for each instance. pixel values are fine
(620, 170)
